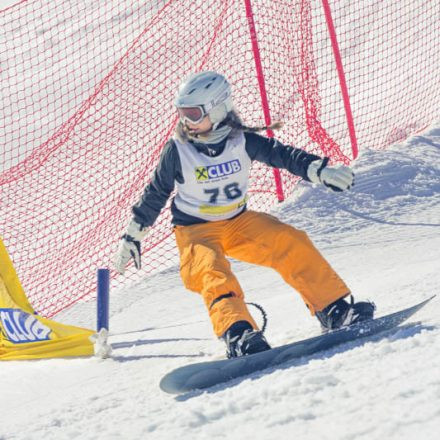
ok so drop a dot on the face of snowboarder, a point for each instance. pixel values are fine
(204, 126)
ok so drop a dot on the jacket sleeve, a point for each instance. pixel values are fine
(158, 191)
(273, 153)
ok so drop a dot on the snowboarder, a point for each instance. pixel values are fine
(208, 161)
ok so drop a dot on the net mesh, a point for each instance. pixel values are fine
(86, 108)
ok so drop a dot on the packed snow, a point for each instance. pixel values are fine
(382, 237)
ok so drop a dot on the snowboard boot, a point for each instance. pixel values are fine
(341, 314)
(241, 339)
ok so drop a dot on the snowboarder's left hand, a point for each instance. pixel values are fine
(130, 246)
(337, 178)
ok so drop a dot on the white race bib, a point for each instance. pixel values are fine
(214, 188)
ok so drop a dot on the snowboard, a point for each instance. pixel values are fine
(207, 374)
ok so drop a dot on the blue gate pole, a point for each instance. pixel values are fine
(103, 291)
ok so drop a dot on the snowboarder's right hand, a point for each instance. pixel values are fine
(130, 246)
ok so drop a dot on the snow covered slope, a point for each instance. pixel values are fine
(383, 238)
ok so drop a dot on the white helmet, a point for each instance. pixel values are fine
(204, 93)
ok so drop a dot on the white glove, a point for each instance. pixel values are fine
(337, 178)
(130, 246)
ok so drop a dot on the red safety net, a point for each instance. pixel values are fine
(87, 106)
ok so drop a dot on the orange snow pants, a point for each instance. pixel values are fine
(256, 238)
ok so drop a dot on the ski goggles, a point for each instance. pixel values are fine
(193, 115)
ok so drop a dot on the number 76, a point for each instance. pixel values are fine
(231, 191)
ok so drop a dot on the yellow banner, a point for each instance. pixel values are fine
(24, 334)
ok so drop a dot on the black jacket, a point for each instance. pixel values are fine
(259, 148)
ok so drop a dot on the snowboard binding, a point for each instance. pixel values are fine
(342, 313)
